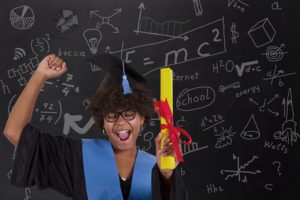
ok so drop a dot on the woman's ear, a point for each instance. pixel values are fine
(142, 121)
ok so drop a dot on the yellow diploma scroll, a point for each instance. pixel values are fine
(166, 92)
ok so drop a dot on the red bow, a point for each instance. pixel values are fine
(164, 110)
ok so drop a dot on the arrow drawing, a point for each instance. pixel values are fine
(71, 122)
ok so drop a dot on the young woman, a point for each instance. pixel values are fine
(93, 169)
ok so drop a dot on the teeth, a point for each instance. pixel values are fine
(125, 131)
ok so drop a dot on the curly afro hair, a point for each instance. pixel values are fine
(109, 97)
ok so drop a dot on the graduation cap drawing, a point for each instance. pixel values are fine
(118, 71)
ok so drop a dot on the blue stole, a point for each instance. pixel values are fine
(102, 177)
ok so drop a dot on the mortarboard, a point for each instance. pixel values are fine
(117, 70)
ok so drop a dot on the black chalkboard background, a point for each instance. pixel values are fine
(235, 67)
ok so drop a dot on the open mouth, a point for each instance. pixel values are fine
(123, 135)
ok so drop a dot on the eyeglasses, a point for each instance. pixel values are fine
(114, 116)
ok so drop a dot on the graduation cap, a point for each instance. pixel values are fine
(118, 70)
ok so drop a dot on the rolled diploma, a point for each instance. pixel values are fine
(166, 92)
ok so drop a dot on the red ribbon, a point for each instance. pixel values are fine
(164, 110)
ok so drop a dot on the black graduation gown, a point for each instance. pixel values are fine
(56, 162)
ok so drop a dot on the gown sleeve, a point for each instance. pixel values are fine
(175, 191)
(49, 162)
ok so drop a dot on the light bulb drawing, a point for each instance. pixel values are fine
(92, 38)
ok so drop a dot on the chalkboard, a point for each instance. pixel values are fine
(235, 65)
